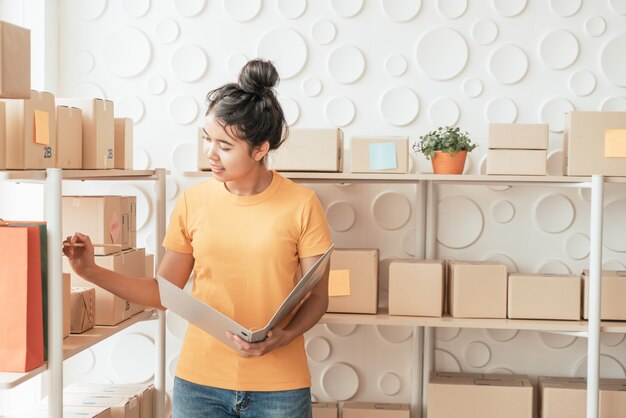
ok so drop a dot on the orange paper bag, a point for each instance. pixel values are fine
(21, 308)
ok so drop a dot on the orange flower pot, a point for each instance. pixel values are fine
(443, 163)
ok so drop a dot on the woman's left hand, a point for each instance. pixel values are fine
(276, 338)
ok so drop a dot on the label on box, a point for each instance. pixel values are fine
(42, 125)
(383, 156)
(114, 227)
(615, 143)
(339, 283)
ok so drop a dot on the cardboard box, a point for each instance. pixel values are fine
(123, 134)
(544, 296)
(98, 131)
(353, 281)
(144, 393)
(69, 411)
(202, 161)
(99, 217)
(595, 143)
(375, 410)
(126, 209)
(3, 136)
(67, 304)
(416, 287)
(131, 263)
(325, 410)
(477, 289)
(613, 289)
(31, 136)
(309, 150)
(518, 136)
(486, 396)
(14, 61)
(149, 268)
(83, 309)
(69, 137)
(379, 154)
(517, 162)
(122, 406)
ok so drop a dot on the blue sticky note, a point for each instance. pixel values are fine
(383, 156)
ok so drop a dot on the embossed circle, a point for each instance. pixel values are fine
(399, 106)
(614, 104)
(452, 9)
(189, 8)
(189, 63)
(291, 109)
(556, 341)
(554, 267)
(595, 26)
(346, 64)
(611, 340)
(460, 222)
(509, 8)
(472, 87)
(502, 335)
(503, 211)
(318, 349)
(508, 64)
(346, 8)
(141, 159)
(286, 49)
(341, 216)
(80, 364)
(127, 52)
(615, 226)
(340, 381)
(391, 210)
(87, 91)
(339, 111)
(554, 213)
(235, 63)
(184, 109)
(485, 31)
(176, 325)
(585, 194)
(401, 10)
(612, 60)
(242, 10)
(171, 188)
(132, 358)
(618, 6)
(408, 243)
(613, 265)
(396, 65)
(312, 86)
(90, 10)
(552, 112)
(500, 370)
(156, 85)
(144, 205)
(444, 112)
(565, 8)
(555, 163)
(130, 107)
(389, 384)
(167, 30)
(184, 157)
(610, 368)
(445, 361)
(136, 8)
(447, 334)
(577, 246)
(442, 53)
(477, 354)
(323, 31)
(511, 266)
(394, 333)
(84, 62)
(171, 366)
(559, 49)
(291, 9)
(501, 110)
(341, 330)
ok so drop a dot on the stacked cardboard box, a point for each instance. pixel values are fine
(544, 296)
(416, 287)
(375, 410)
(517, 149)
(353, 281)
(309, 150)
(123, 143)
(143, 393)
(477, 289)
(69, 137)
(325, 410)
(613, 289)
(379, 154)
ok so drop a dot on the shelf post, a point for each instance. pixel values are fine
(595, 285)
(159, 375)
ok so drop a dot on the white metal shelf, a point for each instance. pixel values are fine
(40, 175)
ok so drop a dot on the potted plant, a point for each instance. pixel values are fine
(447, 148)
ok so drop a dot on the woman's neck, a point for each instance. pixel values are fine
(254, 182)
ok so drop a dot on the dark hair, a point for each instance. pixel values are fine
(250, 106)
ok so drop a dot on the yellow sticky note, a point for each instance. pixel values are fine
(615, 143)
(339, 283)
(42, 127)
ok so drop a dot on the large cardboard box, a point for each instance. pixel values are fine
(595, 143)
(477, 289)
(122, 406)
(31, 137)
(309, 150)
(98, 131)
(544, 296)
(480, 396)
(69, 137)
(517, 162)
(353, 281)
(379, 154)
(99, 217)
(325, 410)
(83, 309)
(202, 160)
(123, 134)
(67, 304)
(126, 209)
(375, 410)
(518, 136)
(613, 289)
(14, 61)
(69, 411)
(144, 393)
(3, 136)
(416, 287)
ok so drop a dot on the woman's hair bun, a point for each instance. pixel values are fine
(257, 76)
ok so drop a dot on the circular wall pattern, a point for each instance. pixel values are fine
(141, 159)
(87, 91)
(612, 60)
(502, 335)
(501, 110)
(189, 63)
(171, 366)
(346, 8)
(408, 243)
(446, 362)
(88, 10)
(399, 106)
(611, 340)
(582, 83)
(130, 107)
(184, 157)
(339, 111)
(80, 364)
(346, 64)
(341, 330)
(565, 8)
(401, 10)
(171, 188)
(444, 112)
(509, 8)
(286, 49)
(508, 64)
(291, 9)
(554, 267)
(136, 8)
(242, 10)
(614, 104)
(341, 216)
(610, 368)
(394, 334)
(442, 53)
(184, 109)
(577, 246)
(391, 210)
(318, 349)
(554, 213)
(189, 8)
(552, 111)
(312, 86)
(477, 354)
(156, 85)
(340, 381)
(167, 30)
(618, 6)
(132, 358)
(472, 87)
(84, 62)
(614, 228)
(235, 63)
(291, 110)
(555, 163)
(126, 52)
(556, 341)
(396, 65)
(502, 211)
(485, 31)
(613, 265)
(511, 266)
(595, 26)
(559, 49)
(447, 334)
(452, 9)
(323, 31)
(389, 384)
(176, 325)
(459, 222)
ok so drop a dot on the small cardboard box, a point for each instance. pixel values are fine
(416, 287)
(126, 210)
(131, 263)
(67, 304)
(379, 154)
(613, 289)
(518, 136)
(325, 410)
(202, 161)
(83, 309)
(353, 281)
(375, 410)
(14, 61)
(69, 411)
(544, 296)
(309, 150)
(122, 406)
(69, 137)
(594, 143)
(3, 136)
(149, 270)
(99, 217)
(123, 134)
(31, 136)
(486, 396)
(477, 289)
(144, 393)
(98, 131)
(517, 162)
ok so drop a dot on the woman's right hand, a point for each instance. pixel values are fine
(81, 257)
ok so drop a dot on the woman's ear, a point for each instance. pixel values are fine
(261, 151)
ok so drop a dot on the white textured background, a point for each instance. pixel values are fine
(370, 67)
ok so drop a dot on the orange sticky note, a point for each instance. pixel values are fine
(42, 127)
(615, 143)
(339, 283)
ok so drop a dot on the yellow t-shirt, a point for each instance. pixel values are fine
(246, 251)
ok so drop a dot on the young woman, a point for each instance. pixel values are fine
(244, 234)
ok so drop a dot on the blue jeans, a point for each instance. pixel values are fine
(197, 401)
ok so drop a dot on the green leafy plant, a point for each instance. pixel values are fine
(445, 139)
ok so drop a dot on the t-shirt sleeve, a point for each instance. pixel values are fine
(315, 236)
(177, 236)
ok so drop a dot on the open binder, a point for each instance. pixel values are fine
(216, 323)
